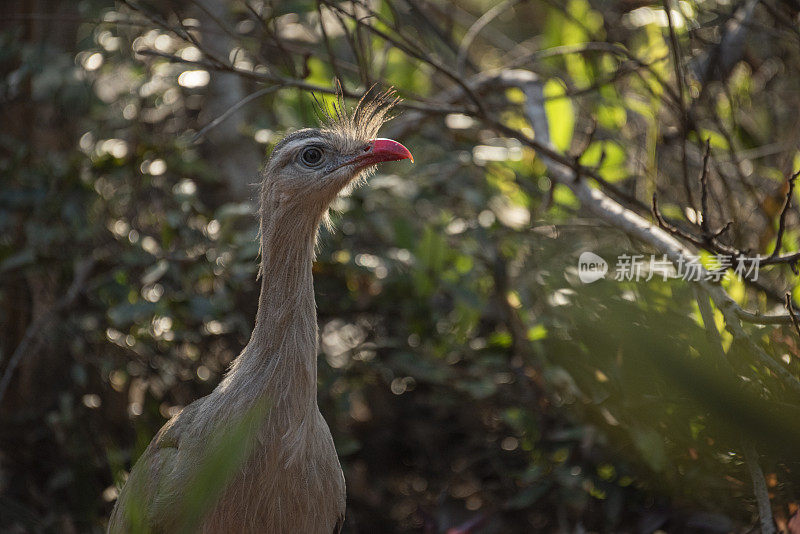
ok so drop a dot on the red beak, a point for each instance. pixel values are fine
(379, 150)
(388, 150)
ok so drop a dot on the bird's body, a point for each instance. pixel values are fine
(263, 417)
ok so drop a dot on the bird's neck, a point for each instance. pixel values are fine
(280, 361)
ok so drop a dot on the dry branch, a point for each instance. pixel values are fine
(642, 230)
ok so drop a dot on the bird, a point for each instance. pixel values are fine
(263, 420)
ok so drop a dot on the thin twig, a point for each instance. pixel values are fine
(722, 230)
(476, 28)
(792, 313)
(82, 271)
(672, 229)
(704, 190)
(759, 489)
(417, 55)
(158, 21)
(782, 221)
(709, 324)
(709, 242)
(233, 109)
(386, 22)
(673, 38)
(439, 109)
(326, 40)
(284, 55)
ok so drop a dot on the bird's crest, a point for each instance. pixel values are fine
(364, 121)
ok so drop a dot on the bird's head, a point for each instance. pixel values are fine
(310, 167)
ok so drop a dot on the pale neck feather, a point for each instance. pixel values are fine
(280, 361)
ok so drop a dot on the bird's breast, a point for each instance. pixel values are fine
(285, 486)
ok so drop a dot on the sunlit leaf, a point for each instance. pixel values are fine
(560, 115)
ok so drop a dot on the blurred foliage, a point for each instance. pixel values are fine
(465, 371)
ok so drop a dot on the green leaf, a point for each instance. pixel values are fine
(537, 332)
(611, 158)
(560, 114)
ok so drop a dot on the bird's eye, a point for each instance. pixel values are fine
(312, 156)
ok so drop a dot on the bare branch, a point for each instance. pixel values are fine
(283, 82)
(476, 28)
(677, 61)
(758, 318)
(674, 230)
(792, 313)
(233, 109)
(639, 228)
(709, 324)
(328, 48)
(417, 55)
(704, 190)
(782, 221)
(759, 489)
